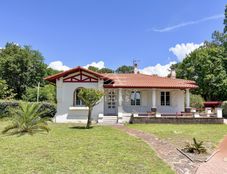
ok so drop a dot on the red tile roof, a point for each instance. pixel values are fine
(147, 81)
(131, 80)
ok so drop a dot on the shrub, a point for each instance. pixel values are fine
(7, 107)
(196, 101)
(195, 147)
(27, 119)
(224, 107)
(47, 93)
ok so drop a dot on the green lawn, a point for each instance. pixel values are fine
(178, 134)
(69, 150)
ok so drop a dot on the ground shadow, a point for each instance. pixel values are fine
(79, 127)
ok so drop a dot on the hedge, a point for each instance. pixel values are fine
(6, 106)
(224, 107)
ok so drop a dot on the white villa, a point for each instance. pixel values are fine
(125, 94)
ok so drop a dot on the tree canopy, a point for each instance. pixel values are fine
(225, 20)
(102, 70)
(125, 69)
(21, 67)
(205, 65)
(5, 91)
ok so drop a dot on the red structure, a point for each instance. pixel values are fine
(212, 104)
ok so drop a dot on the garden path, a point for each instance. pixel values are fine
(166, 151)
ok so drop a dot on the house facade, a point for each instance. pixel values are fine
(125, 94)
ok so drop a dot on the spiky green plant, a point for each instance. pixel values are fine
(27, 120)
(195, 147)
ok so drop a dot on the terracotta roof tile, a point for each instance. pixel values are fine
(131, 80)
(147, 81)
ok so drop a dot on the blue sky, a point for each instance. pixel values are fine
(79, 32)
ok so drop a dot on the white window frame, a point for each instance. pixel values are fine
(165, 101)
(135, 92)
(75, 98)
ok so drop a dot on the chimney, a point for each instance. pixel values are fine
(136, 71)
(172, 73)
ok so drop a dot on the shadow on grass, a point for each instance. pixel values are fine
(80, 127)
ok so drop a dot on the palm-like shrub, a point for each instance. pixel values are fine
(27, 119)
(195, 147)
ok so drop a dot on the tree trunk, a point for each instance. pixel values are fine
(89, 118)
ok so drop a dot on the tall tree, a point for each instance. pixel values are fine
(205, 65)
(21, 67)
(225, 20)
(125, 69)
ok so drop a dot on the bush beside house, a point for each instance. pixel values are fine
(196, 101)
(7, 106)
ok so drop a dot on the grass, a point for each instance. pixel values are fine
(178, 134)
(71, 150)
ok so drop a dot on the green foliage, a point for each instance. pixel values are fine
(21, 67)
(7, 107)
(90, 97)
(93, 68)
(196, 101)
(125, 69)
(106, 70)
(5, 91)
(102, 70)
(46, 93)
(195, 147)
(208, 66)
(225, 20)
(205, 65)
(27, 120)
(224, 107)
(50, 71)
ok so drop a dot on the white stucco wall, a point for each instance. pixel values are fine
(65, 92)
(67, 113)
(176, 101)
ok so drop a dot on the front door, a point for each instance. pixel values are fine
(111, 103)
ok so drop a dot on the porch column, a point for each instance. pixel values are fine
(153, 108)
(188, 108)
(120, 108)
(120, 99)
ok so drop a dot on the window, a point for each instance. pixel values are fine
(76, 100)
(135, 98)
(111, 100)
(165, 98)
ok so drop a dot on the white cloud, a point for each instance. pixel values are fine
(182, 50)
(160, 70)
(183, 24)
(58, 65)
(98, 65)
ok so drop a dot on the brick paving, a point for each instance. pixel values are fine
(166, 151)
(218, 163)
